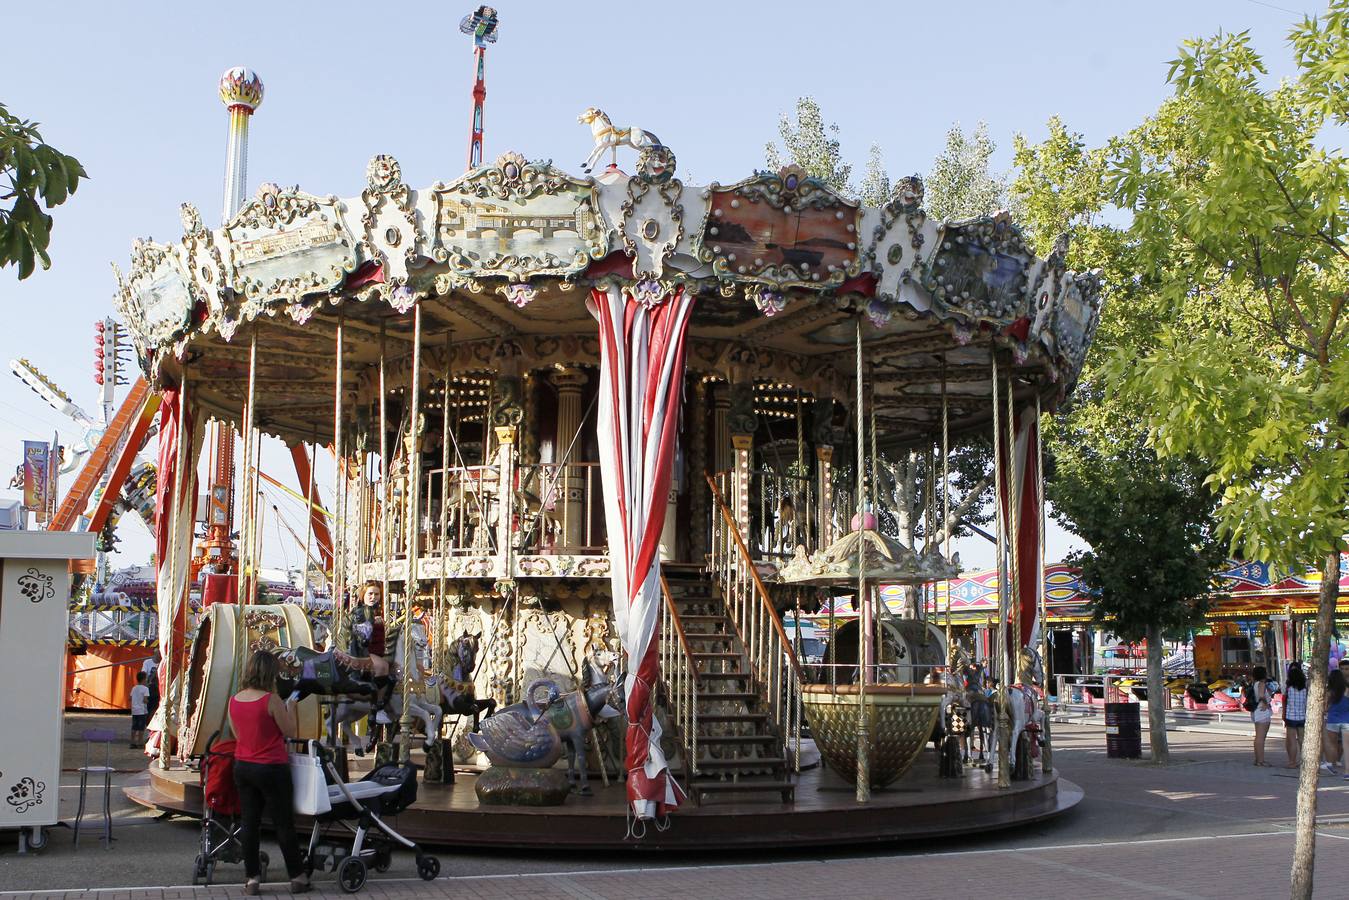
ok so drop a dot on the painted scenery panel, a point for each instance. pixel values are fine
(544, 234)
(751, 237)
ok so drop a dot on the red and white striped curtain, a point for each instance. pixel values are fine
(1025, 505)
(174, 517)
(642, 350)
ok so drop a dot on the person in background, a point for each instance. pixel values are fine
(140, 711)
(1263, 713)
(261, 722)
(151, 670)
(1294, 712)
(1337, 720)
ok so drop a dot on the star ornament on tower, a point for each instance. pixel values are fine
(482, 24)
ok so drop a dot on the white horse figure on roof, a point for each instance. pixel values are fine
(607, 137)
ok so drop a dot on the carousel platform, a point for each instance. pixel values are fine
(919, 806)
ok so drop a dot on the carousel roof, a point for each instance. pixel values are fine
(500, 260)
(868, 554)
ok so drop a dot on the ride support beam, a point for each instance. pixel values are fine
(317, 520)
(132, 422)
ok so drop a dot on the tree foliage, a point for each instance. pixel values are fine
(33, 176)
(960, 184)
(812, 145)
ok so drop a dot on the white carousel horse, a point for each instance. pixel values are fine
(422, 704)
(607, 137)
(1024, 700)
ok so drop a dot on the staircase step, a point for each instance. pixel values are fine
(731, 717)
(713, 696)
(737, 675)
(708, 763)
(737, 739)
(699, 654)
(703, 618)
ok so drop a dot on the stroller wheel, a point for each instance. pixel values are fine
(428, 868)
(383, 859)
(351, 874)
(209, 872)
(198, 869)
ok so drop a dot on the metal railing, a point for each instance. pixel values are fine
(680, 671)
(786, 514)
(561, 508)
(773, 663)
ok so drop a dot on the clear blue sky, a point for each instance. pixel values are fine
(129, 88)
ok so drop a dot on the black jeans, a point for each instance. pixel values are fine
(267, 784)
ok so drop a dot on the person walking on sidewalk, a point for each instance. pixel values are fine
(1294, 712)
(1263, 691)
(1337, 720)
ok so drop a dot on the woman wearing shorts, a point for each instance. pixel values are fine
(1337, 720)
(1294, 712)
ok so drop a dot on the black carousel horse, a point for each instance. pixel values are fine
(457, 693)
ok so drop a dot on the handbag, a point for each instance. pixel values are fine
(310, 788)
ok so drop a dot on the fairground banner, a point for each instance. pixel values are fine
(35, 477)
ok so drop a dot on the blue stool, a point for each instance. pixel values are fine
(107, 738)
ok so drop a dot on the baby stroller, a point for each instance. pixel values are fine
(220, 813)
(356, 811)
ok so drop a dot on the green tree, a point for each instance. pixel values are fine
(960, 184)
(35, 176)
(1150, 527)
(812, 145)
(1239, 218)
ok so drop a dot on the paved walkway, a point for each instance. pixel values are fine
(1209, 825)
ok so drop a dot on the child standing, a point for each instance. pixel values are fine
(140, 711)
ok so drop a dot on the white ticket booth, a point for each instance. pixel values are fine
(34, 623)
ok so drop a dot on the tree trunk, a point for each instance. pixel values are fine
(1161, 754)
(1304, 842)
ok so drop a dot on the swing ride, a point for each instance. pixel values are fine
(619, 425)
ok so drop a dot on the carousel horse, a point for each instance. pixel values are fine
(607, 137)
(427, 711)
(1027, 714)
(457, 693)
(953, 747)
(533, 733)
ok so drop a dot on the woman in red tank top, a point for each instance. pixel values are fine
(261, 722)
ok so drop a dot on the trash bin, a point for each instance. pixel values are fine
(1123, 731)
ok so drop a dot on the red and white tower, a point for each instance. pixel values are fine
(241, 92)
(482, 24)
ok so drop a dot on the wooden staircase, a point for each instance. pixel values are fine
(738, 751)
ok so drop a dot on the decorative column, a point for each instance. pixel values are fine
(722, 454)
(570, 490)
(505, 494)
(824, 471)
(669, 532)
(742, 423)
(697, 465)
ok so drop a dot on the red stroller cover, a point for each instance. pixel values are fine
(218, 790)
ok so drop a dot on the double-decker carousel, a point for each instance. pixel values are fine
(592, 437)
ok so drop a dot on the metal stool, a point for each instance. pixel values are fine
(106, 737)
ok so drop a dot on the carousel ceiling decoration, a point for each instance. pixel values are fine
(782, 267)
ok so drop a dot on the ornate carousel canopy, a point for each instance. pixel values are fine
(879, 559)
(782, 268)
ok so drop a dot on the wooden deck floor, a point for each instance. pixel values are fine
(825, 812)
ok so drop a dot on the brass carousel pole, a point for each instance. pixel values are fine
(947, 525)
(246, 495)
(340, 485)
(384, 468)
(1004, 713)
(1047, 752)
(441, 638)
(1015, 501)
(863, 623)
(412, 499)
(166, 736)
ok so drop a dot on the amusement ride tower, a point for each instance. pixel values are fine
(482, 24)
(241, 92)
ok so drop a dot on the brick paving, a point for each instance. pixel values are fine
(1209, 825)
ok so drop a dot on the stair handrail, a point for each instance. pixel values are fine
(680, 671)
(777, 671)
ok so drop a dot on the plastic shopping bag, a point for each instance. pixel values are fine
(311, 790)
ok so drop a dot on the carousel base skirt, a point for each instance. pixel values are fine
(919, 806)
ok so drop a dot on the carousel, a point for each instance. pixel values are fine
(586, 439)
